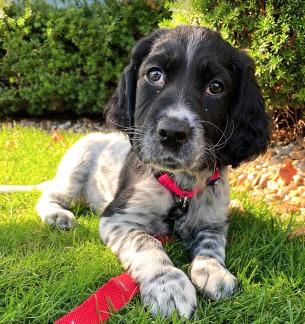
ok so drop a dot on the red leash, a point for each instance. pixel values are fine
(111, 297)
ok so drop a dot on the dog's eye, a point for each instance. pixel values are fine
(155, 75)
(215, 87)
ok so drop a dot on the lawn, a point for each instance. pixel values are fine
(45, 273)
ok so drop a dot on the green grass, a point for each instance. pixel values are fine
(45, 273)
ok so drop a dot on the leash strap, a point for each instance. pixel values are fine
(111, 297)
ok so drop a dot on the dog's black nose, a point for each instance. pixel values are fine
(173, 132)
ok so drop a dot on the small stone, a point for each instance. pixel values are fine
(276, 159)
(269, 198)
(77, 126)
(299, 165)
(297, 155)
(285, 150)
(86, 121)
(296, 201)
(281, 194)
(236, 204)
(67, 124)
(292, 186)
(247, 183)
(241, 179)
(298, 232)
(292, 193)
(54, 125)
(263, 181)
(297, 179)
(277, 150)
(300, 190)
(272, 186)
(45, 124)
(287, 171)
(275, 177)
(256, 180)
(281, 183)
(251, 176)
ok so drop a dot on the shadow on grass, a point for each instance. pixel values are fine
(270, 269)
(258, 249)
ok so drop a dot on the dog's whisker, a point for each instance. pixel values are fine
(223, 134)
(126, 128)
(221, 145)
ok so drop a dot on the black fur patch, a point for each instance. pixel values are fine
(129, 175)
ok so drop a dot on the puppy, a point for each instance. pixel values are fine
(188, 106)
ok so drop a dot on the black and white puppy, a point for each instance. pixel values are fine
(188, 102)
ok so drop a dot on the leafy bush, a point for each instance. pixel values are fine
(67, 58)
(273, 33)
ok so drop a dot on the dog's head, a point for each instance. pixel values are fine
(189, 101)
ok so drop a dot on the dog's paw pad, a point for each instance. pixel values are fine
(212, 278)
(62, 219)
(169, 291)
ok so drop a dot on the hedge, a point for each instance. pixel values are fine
(67, 59)
(273, 33)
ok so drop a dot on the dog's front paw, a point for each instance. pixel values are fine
(62, 219)
(212, 278)
(169, 291)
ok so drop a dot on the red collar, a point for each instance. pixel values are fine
(167, 181)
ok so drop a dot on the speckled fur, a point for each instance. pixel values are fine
(90, 172)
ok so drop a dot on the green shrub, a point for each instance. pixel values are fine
(67, 58)
(273, 33)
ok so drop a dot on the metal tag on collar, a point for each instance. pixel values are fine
(184, 202)
(214, 182)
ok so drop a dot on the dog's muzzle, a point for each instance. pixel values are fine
(172, 144)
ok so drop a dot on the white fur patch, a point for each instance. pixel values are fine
(166, 294)
(212, 278)
(193, 41)
(181, 112)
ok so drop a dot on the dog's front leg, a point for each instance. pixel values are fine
(208, 271)
(204, 230)
(163, 287)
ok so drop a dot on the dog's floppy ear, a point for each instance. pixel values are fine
(120, 108)
(248, 130)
